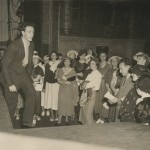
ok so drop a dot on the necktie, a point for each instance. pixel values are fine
(124, 80)
(25, 60)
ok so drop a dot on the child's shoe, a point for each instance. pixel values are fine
(38, 118)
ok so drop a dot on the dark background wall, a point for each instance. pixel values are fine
(98, 19)
(33, 13)
(108, 18)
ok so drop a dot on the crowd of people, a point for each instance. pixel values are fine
(81, 84)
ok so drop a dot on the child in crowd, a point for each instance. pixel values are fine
(37, 74)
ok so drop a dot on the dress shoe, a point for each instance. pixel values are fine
(28, 125)
(52, 119)
(67, 123)
(57, 124)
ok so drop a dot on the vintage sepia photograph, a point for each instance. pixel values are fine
(74, 74)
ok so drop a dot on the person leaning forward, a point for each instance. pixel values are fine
(16, 74)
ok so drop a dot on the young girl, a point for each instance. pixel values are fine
(45, 61)
(37, 74)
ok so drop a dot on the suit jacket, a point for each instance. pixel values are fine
(12, 68)
(125, 88)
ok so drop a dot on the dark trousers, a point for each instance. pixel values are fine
(38, 103)
(28, 90)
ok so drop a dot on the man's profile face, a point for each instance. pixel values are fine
(28, 33)
(123, 69)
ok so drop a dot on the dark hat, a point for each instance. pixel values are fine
(139, 70)
(144, 84)
(81, 52)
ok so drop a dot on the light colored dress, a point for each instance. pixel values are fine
(67, 93)
(51, 86)
(86, 111)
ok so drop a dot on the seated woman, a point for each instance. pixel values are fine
(92, 84)
(143, 103)
(127, 110)
(67, 96)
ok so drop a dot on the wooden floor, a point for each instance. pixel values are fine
(110, 136)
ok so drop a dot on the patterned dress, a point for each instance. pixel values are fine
(128, 106)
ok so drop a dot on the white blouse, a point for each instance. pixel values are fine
(54, 65)
(94, 79)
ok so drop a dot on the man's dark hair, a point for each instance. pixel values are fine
(25, 24)
(126, 61)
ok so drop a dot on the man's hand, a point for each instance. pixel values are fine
(80, 74)
(119, 102)
(67, 83)
(12, 88)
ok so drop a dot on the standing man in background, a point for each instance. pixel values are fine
(16, 73)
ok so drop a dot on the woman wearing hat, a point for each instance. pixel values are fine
(72, 54)
(112, 80)
(45, 61)
(142, 59)
(127, 110)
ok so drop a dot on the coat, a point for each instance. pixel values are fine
(125, 88)
(12, 67)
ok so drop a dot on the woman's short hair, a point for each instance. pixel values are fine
(96, 60)
(53, 52)
(66, 58)
(81, 52)
(103, 52)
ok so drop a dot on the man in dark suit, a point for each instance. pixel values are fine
(16, 73)
(126, 83)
